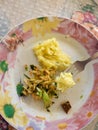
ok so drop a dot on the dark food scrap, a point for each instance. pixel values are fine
(66, 106)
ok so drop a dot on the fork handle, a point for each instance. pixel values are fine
(95, 56)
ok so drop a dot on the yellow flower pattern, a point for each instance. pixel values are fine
(41, 26)
(10, 112)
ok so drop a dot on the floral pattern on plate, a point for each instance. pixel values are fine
(18, 118)
(88, 20)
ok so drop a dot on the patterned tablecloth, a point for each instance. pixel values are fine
(15, 12)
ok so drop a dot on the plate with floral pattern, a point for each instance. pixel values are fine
(16, 50)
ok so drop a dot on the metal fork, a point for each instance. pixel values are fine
(79, 66)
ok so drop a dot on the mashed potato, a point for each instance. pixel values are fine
(64, 81)
(50, 55)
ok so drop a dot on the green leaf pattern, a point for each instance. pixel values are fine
(3, 66)
(88, 8)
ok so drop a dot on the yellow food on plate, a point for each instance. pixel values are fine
(42, 82)
(50, 55)
(64, 81)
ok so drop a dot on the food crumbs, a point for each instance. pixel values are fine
(81, 96)
(26, 67)
(41, 118)
(78, 79)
